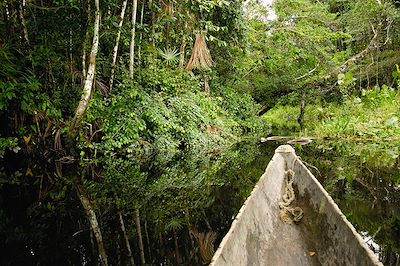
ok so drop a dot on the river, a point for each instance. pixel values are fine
(195, 196)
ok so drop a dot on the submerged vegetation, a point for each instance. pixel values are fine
(118, 117)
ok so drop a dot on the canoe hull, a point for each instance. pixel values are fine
(324, 236)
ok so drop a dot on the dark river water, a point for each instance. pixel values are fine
(364, 180)
(42, 222)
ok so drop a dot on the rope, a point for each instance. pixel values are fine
(289, 214)
(310, 166)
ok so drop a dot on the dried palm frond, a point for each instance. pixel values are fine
(77, 75)
(168, 7)
(205, 241)
(201, 57)
(102, 87)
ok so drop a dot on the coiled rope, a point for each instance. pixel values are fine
(289, 214)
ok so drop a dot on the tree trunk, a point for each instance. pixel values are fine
(70, 44)
(23, 22)
(92, 242)
(128, 246)
(132, 46)
(147, 239)
(182, 48)
(162, 246)
(7, 22)
(108, 16)
(141, 33)
(115, 51)
(87, 88)
(300, 119)
(85, 38)
(207, 85)
(177, 254)
(153, 29)
(182, 52)
(140, 239)
(91, 215)
(84, 52)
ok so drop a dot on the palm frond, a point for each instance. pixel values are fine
(174, 224)
(170, 56)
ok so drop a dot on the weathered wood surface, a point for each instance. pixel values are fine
(323, 237)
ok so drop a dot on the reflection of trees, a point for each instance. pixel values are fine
(41, 219)
(188, 199)
(361, 177)
(195, 194)
(201, 193)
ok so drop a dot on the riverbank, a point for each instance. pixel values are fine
(373, 115)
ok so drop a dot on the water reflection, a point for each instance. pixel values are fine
(185, 202)
(362, 179)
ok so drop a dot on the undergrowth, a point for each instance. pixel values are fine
(155, 118)
(375, 114)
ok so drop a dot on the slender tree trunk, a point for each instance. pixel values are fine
(119, 259)
(128, 246)
(108, 16)
(23, 22)
(91, 215)
(207, 85)
(147, 239)
(84, 52)
(132, 46)
(300, 119)
(6, 16)
(70, 57)
(182, 49)
(141, 33)
(153, 29)
(140, 239)
(87, 88)
(162, 246)
(115, 51)
(177, 253)
(85, 38)
(92, 243)
(182, 53)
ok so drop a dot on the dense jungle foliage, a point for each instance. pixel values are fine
(103, 102)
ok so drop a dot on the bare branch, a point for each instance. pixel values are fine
(307, 74)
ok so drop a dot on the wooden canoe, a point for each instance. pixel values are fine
(323, 237)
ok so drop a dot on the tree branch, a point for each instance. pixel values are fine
(373, 44)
